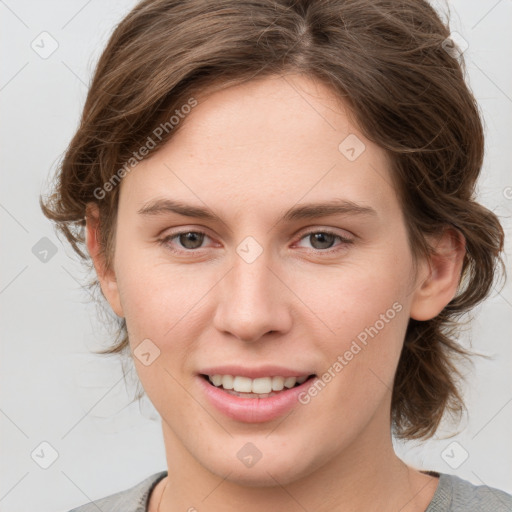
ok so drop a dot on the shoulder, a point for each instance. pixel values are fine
(133, 499)
(457, 495)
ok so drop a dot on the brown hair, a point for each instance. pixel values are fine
(385, 58)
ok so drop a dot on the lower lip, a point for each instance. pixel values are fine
(253, 410)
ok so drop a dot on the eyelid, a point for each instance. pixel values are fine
(165, 239)
(344, 234)
(309, 230)
(304, 231)
(344, 241)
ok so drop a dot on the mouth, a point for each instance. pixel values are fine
(261, 387)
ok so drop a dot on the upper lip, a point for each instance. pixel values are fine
(254, 373)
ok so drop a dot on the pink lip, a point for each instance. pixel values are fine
(253, 410)
(254, 373)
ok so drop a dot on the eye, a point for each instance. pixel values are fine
(323, 240)
(190, 241)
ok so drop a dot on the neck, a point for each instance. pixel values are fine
(366, 476)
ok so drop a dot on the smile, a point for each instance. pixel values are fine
(253, 400)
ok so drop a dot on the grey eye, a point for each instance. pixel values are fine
(322, 240)
(191, 239)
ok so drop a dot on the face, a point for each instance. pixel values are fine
(265, 287)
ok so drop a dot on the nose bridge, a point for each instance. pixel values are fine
(251, 274)
(252, 302)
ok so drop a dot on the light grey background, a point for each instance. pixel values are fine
(54, 390)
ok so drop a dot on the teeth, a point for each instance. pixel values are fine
(277, 383)
(289, 382)
(259, 386)
(227, 381)
(216, 380)
(262, 385)
(242, 384)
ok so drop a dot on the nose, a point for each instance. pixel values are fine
(253, 301)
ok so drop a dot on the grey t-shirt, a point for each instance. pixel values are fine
(452, 495)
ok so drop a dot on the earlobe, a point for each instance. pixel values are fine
(106, 277)
(443, 270)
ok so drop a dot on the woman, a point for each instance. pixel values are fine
(278, 200)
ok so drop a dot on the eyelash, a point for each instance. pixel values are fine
(344, 241)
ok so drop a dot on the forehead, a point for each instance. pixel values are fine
(272, 140)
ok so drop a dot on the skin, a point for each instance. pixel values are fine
(250, 152)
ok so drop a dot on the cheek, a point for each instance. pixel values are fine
(155, 296)
(165, 305)
(158, 304)
(359, 360)
(365, 307)
(352, 297)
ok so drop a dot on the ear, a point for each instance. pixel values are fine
(106, 276)
(443, 272)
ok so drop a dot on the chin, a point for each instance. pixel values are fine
(270, 470)
(264, 476)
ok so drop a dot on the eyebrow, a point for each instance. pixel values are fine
(304, 211)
